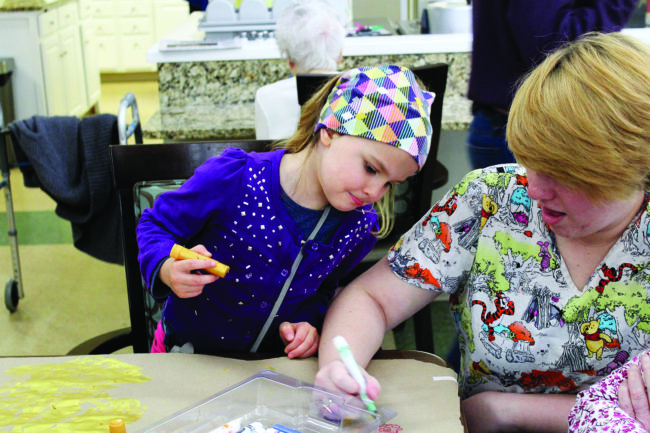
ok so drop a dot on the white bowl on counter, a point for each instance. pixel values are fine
(449, 17)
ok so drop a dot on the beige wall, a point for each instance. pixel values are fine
(376, 8)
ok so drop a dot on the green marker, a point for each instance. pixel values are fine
(353, 368)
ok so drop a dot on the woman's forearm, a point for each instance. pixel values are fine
(357, 317)
(512, 412)
(372, 304)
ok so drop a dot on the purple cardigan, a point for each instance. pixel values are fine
(233, 206)
(512, 36)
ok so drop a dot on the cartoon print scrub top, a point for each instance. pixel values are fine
(523, 325)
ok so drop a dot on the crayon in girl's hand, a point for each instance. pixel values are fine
(181, 253)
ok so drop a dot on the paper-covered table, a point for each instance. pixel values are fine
(82, 393)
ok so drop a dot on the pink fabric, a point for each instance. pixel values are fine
(597, 411)
(158, 345)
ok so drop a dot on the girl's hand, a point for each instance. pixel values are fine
(300, 339)
(179, 275)
(633, 393)
(335, 376)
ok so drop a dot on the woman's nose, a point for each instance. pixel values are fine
(539, 190)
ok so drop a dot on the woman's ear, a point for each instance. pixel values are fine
(292, 67)
(326, 136)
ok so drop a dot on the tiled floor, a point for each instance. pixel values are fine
(71, 297)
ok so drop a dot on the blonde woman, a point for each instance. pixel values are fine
(545, 262)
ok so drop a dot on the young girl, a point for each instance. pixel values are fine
(290, 222)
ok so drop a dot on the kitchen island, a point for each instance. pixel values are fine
(209, 94)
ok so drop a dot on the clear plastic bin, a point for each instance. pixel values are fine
(271, 398)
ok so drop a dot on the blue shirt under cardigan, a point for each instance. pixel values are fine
(233, 206)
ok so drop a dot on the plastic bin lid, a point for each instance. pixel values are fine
(6, 65)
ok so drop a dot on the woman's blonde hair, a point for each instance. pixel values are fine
(583, 116)
(304, 138)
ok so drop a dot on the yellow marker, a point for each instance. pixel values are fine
(181, 253)
(117, 426)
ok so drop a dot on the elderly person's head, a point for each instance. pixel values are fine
(583, 116)
(310, 36)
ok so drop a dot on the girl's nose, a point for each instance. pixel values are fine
(374, 190)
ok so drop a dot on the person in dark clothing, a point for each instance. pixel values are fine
(510, 37)
(197, 5)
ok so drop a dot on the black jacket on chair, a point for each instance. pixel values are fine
(69, 160)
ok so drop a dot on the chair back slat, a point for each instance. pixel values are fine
(133, 164)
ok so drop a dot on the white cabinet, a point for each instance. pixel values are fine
(168, 15)
(51, 76)
(126, 29)
(91, 66)
(73, 71)
(63, 65)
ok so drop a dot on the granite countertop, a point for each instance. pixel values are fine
(262, 48)
(28, 5)
(237, 121)
(203, 122)
(214, 100)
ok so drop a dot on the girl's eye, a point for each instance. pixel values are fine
(370, 169)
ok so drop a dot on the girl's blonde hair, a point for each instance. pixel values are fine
(305, 138)
(583, 116)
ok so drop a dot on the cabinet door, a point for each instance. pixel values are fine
(53, 73)
(106, 30)
(135, 26)
(169, 14)
(129, 8)
(133, 53)
(85, 9)
(107, 58)
(91, 69)
(73, 70)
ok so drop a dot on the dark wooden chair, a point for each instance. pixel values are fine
(308, 84)
(140, 172)
(414, 196)
(136, 168)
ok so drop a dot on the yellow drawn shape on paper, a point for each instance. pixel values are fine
(68, 397)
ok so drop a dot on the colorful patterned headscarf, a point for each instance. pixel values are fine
(382, 103)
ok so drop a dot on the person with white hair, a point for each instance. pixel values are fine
(310, 37)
